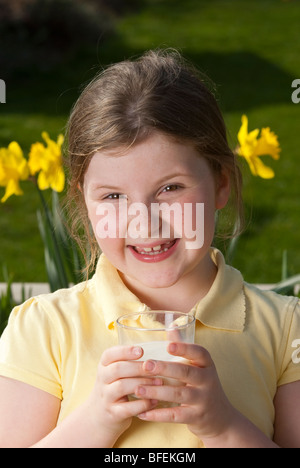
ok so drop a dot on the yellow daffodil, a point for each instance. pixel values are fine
(13, 168)
(251, 148)
(47, 160)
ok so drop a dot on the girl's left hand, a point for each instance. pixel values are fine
(203, 405)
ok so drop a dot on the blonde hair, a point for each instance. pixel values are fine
(127, 101)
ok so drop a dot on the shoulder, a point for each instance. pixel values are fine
(63, 299)
(270, 301)
(276, 319)
(53, 309)
(272, 317)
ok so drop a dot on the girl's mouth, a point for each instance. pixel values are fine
(155, 253)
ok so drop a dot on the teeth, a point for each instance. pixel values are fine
(154, 250)
(153, 253)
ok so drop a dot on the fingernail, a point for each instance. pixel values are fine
(149, 365)
(137, 351)
(141, 391)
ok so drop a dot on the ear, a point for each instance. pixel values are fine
(222, 189)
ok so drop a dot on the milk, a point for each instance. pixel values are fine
(157, 350)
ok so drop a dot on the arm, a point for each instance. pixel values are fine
(28, 416)
(287, 415)
(286, 427)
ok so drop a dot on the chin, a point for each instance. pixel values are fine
(159, 280)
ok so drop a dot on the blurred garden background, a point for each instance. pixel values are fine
(49, 49)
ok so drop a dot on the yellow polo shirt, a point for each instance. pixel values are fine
(54, 342)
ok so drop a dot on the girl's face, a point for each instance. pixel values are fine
(123, 191)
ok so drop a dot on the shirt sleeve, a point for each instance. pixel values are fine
(29, 348)
(290, 368)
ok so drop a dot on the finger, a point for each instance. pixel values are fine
(174, 335)
(125, 387)
(134, 407)
(175, 414)
(188, 373)
(120, 353)
(196, 354)
(121, 370)
(182, 394)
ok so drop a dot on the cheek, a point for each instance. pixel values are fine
(105, 226)
(111, 247)
(191, 207)
(104, 220)
(199, 219)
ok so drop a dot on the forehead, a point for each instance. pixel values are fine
(157, 154)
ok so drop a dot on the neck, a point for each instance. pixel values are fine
(181, 296)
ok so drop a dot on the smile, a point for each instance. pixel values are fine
(154, 253)
(158, 249)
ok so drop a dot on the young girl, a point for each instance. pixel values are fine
(149, 132)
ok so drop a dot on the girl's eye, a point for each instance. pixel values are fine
(113, 196)
(171, 188)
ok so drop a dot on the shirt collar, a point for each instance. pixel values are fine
(112, 294)
(222, 308)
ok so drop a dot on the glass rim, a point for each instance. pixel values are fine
(191, 318)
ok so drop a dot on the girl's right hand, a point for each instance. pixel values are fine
(119, 374)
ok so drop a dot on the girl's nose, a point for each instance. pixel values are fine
(139, 220)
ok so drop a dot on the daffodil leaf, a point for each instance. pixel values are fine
(52, 252)
(68, 248)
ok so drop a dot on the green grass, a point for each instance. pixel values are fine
(250, 48)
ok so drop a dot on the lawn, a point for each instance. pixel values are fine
(250, 48)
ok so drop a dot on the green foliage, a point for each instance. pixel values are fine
(288, 283)
(63, 261)
(43, 31)
(7, 302)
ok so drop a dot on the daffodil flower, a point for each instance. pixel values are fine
(13, 168)
(47, 160)
(251, 148)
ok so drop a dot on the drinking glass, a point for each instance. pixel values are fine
(153, 331)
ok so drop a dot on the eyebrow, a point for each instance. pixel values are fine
(173, 176)
(95, 186)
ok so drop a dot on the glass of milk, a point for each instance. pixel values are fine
(153, 331)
